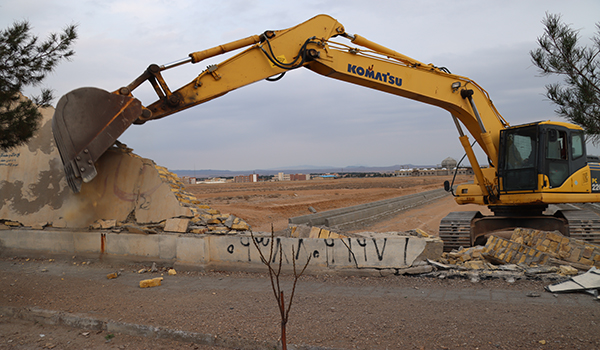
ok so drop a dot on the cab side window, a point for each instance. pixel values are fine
(557, 156)
(577, 143)
(557, 145)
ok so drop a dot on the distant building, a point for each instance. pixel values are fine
(299, 177)
(215, 180)
(291, 177)
(449, 163)
(283, 177)
(448, 167)
(246, 178)
(188, 180)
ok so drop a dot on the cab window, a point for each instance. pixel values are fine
(557, 157)
(520, 151)
(577, 143)
(518, 165)
(556, 148)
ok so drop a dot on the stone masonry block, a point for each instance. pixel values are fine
(177, 225)
(324, 233)
(229, 221)
(513, 253)
(240, 225)
(575, 255)
(554, 237)
(587, 252)
(314, 232)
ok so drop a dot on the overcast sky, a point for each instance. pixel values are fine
(304, 119)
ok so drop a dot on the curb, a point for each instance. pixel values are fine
(81, 321)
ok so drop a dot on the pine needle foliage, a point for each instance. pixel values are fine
(25, 60)
(560, 52)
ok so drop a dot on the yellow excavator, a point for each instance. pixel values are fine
(530, 166)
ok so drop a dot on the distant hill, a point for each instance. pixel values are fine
(205, 173)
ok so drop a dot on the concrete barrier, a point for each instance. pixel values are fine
(236, 252)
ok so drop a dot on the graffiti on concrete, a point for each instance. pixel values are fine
(351, 252)
(9, 159)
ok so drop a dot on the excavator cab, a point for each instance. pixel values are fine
(538, 164)
(540, 157)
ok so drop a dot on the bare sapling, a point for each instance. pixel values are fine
(274, 274)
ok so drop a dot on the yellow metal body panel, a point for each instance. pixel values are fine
(576, 189)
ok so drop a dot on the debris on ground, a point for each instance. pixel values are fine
(534, 250)
(534, 247)
(154, 268)
(110, 276)
(588, 282)
(153, 282)
(10, 223)
(529, 253)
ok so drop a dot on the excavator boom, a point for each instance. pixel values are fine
(90, 120)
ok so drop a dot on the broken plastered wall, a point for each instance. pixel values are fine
(127, 190)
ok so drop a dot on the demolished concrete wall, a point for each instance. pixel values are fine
(128, 188)
(534, 247)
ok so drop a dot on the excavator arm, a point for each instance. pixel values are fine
(88, 121)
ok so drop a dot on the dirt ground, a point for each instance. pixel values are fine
(329, 311)
(333, 312)
(264, 203)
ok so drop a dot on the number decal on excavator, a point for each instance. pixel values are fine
(595, 181)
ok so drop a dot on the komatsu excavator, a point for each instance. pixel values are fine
(530, 166)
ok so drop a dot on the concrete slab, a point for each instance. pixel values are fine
(127, 188)
(235, 252)
(34, 188)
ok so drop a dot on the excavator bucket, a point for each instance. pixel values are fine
(86, 122)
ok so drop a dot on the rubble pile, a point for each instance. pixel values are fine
(533, 247)
(528, 254)
(306, 231)
(203, 219)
